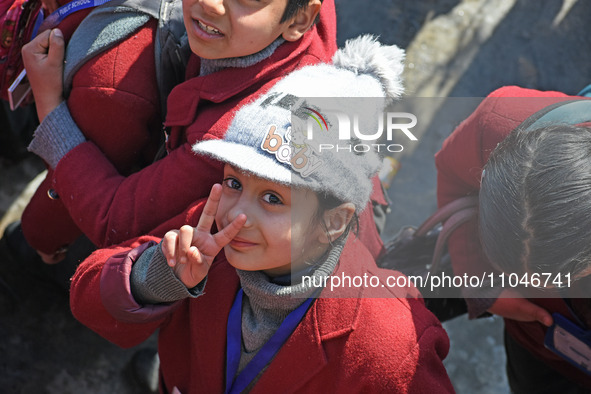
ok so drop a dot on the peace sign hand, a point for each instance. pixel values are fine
(190, 251)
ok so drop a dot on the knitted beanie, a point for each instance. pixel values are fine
(293, 134)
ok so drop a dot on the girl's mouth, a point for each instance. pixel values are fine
(239, 243)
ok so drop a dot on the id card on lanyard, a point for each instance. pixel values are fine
(21, 88)
(570, 341)
(264, 355)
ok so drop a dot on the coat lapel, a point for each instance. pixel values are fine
(300, 359)
(303, 356)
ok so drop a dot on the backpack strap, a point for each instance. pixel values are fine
(451, 224)
(452, 215)
(171, 49)
(565, 112)
(101, 30)
(445, 212)
(111, 23)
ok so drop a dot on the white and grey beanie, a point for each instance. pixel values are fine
(272, 137)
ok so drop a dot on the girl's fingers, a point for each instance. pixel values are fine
(195, 256)
(211, 207)
(184, 243)
(225, 235)
(169, 247)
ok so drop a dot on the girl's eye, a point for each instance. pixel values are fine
(232, 183)
(272, 199)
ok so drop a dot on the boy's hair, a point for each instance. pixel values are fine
(535, 200)
(292, 8)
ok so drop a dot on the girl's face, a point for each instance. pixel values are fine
(276, 234)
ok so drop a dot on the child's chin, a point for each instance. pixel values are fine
(235, 260)
(243, 267)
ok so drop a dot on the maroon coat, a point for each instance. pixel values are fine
(115, 102)
(355, 344)
(459, 168)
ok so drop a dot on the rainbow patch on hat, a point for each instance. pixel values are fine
(316, 119)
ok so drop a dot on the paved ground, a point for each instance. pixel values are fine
(454, 49)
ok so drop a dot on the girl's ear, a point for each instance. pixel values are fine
(302, 21)
(336, 221)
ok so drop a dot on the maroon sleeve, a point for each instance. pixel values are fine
(430, 375)
(100, 296)
(46, 223)
(110, 208)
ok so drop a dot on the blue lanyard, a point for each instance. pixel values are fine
(264, 355)
(61, 13)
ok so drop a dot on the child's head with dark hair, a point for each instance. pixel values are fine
(535, 202)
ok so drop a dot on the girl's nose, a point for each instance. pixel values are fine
(215, 7)
(241, 206)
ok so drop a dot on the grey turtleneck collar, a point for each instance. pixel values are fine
(266, 304)
(209, 66)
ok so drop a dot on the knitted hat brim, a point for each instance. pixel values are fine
(245, 158)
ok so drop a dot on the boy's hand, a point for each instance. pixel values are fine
(190, 251)
(44, 61)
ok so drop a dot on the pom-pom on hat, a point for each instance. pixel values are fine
(271, 138)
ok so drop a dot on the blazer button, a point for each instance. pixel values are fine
(53, 194)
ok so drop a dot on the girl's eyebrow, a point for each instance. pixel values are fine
(240, 171)
(235, 169)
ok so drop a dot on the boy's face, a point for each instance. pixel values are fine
(274, 237)
(220, 29)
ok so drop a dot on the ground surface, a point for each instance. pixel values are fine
(454, 49)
